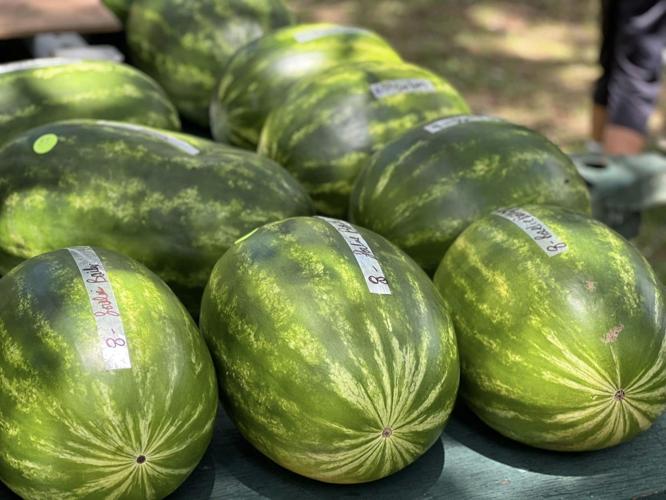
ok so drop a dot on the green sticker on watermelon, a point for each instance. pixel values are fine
(45, 143)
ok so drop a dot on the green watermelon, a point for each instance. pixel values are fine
(173, 202)
(41, 91)
(560, 324)
(424, 188)
(108, 390)
(651, 240)
(119, 7)
(259, 75)
(334, 351)
(185, 44)
(328, 126)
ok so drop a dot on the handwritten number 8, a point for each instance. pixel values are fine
(557, 248)
(113, 343)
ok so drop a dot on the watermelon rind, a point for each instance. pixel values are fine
(327, 378)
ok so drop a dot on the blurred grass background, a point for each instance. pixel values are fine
(532, 62)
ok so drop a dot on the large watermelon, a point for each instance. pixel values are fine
(560, 323)
(185, 44)
(171, 201)
(259, 75)
(108, 390)
(41, 91)
(423, 189)
(334, 351)
(328, 126)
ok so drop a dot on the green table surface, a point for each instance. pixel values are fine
(469, 461)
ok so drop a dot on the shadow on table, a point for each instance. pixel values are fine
(467, 429)
(7, 494)
(199, 485)
(248, 466)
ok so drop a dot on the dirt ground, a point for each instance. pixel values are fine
(532, 62)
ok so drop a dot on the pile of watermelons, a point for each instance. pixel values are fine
(447, 247)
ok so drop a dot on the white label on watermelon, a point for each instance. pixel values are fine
(172, 141)
(113, 342)
(535, 229)
(389, 88)
(45, 62)
(372, 271)
(316, 34)
(445, 123)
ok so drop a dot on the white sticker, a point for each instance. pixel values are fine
(46, 62)
(389, 88)
(113, 342)
(315, 34)
(452, 121)
(172, 141)
(372, 271)
(535, 229)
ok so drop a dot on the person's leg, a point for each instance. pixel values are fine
(633, 86)
(619, 140)
(606, 57)
(599, 119)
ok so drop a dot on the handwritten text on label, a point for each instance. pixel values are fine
(113, 342)
(445, 123)
(372, 271)
(390, 88)
(535, 229)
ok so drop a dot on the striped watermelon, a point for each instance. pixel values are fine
(173, 202)
(424, 188)
(108, 390)
(328, 126)
(259, 75)
(560, 323)
(41, 91)
(334, 351)
(651, 240)
(185, 44)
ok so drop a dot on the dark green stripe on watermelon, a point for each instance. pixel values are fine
(325, 378)
(564, 352)
(259, 75)
(424, 188)
(133, 191)
(41, 91)
(185, 44)
(328, 126)
(71, 429)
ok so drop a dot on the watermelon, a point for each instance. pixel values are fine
(424, 188)
(108, 390)
(259, 75)
(41, 91)
(173, 202)
(334, 351)
(329, 125)
(119, 7)
(651, 240)
(185, 44)
(560, 324)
